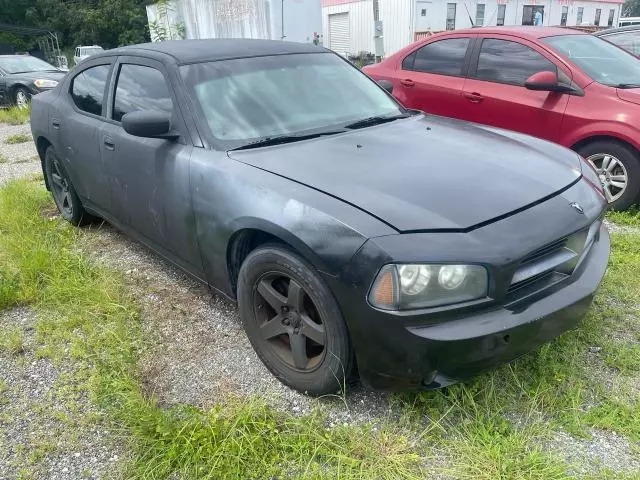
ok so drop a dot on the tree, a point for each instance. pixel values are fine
(631, 8)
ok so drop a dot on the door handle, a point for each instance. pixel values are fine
(474, 97)
(108, 142)
(55, 123)
(407, 82)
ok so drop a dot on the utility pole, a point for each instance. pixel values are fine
(282, 35)
(377, 32)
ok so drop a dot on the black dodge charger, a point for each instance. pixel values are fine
(355, 235)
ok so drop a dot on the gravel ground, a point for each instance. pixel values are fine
(203, 356)
(20, 159)
(48, 430)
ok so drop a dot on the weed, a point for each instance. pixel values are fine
(12, 340)
(14, 116)
(18, 138)
(630, 217)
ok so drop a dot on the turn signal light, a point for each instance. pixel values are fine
(384, 291)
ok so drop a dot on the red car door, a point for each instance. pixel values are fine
(431, 77)
(495, 93)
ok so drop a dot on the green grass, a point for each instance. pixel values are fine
(18, 138)
(12, 340)
(629, 218)
(3, 159)
(497, 426)
(86, 315)
(14, 116)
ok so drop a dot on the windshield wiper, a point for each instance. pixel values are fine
(279, 140)
(627, 85)
(376, 120)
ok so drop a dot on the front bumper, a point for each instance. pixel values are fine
(437, 350)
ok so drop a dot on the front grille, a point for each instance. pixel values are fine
(551, 263)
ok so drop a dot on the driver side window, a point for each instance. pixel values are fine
(504, 61)
(140, 88)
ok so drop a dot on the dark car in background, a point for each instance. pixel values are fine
(350, 231)
(23, 76)
(624, 37)
(562, 85)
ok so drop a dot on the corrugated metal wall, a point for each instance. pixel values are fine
(398, 20)
(360, 15)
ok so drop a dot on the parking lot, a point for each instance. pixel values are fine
(569, 410)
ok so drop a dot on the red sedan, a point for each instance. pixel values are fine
(558, 84)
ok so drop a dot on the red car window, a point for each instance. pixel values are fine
(444, 57)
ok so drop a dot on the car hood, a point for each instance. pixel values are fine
(58, 76)
(629, 95)
(426, 172)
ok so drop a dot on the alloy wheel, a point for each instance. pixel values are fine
(289, 322)
(61, 191)
(22, 101)
(613, 175)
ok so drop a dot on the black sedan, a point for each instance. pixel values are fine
(22, 76)
(355, 235)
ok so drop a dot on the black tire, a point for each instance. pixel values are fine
(630, 166)
(326, 371)
(20, 96)
(62, 190)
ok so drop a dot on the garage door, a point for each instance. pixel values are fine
(339, 33)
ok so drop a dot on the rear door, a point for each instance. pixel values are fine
(495, 93)
(431, 78)
(74, 127)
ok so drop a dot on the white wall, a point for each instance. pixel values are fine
(360, 25)
(398, 27)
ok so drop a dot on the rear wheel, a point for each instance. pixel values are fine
(619, 170)
(293, 321)
(64, 194)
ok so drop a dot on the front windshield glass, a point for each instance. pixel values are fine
(250, 99)
(24, 63)
(605, 63)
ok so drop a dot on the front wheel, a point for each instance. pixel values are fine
(619, 170)
(293, 321)
(21, 98)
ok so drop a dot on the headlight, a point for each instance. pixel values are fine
(407, 286)
(591, 175)
(45, 83)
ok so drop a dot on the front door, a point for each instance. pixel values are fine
(150, 176)
(496, 95)
(4, 98)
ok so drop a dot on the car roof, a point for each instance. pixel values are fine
(528, 32)
(194, 51)
(608, 31)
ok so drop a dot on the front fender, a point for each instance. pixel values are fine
(619, 130)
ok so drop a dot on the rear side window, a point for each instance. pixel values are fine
(445, 57)
(140, 88)
(504, 61)
(88, 87)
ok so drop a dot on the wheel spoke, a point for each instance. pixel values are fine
(299, 350)
(618, 178)
(66, 201)
(613, 162)
(607, 193)
(57, 179)
(272, 297)
(295, 297)
(312, 330)
(273, 327)
(620, 185)
(605, 162)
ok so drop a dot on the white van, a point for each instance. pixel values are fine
(86, 52)
(625, 22)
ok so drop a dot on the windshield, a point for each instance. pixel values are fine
(24, 63)
(602, 61)
(87, 52)
(255, 98)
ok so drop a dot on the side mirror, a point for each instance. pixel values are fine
(148, 124)
(387, 85)
(547, 82)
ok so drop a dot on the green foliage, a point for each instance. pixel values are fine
(108, 23)
(630, 218)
